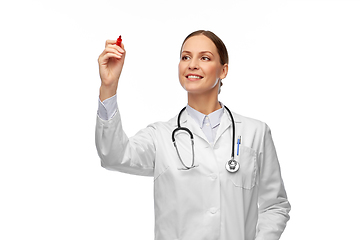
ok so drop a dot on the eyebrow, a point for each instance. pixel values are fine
(199, 52)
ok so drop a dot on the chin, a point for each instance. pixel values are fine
(198, 88)
(198, 91)
(192, 89)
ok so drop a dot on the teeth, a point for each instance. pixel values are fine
(191, 76)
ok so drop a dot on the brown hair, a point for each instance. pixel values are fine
(221, 48)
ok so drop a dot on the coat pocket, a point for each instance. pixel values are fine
(245, 177)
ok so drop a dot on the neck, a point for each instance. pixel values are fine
(205, 104)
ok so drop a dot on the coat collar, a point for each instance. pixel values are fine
(213, 118)
(189, 122)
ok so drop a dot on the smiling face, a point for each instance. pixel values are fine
(200, 69)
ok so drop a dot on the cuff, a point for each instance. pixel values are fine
(107, 108)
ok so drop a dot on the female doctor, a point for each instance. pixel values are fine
(217, 176)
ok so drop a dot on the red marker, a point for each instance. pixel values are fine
(118, 41)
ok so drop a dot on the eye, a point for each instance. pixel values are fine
(185, 58)
(205, 58)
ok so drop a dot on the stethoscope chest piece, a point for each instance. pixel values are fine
(232, 166)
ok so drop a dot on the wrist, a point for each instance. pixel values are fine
(107, 92)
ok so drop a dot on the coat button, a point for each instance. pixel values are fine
(213, 210)
(213, 176)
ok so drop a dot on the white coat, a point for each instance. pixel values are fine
(206, 202)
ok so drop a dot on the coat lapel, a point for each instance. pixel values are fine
(225, 123)
(189, 122)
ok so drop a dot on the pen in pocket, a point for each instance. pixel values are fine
(238, 144)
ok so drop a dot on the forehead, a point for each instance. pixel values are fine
(199, 43)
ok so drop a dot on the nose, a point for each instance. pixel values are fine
(193, 64)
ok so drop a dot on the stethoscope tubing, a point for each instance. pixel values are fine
(179, 128)
(233, 132)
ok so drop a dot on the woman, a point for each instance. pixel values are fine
(212, 197)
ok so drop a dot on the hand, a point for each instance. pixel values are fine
(111, 62)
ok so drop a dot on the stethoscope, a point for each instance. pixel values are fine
(232, 165)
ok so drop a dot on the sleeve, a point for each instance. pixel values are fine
(274, 206)
(135, 155)
(107, 108)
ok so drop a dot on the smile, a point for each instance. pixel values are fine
(193, 77)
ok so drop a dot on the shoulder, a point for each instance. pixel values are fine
(248, 121)
(252, 125)
(172, 122)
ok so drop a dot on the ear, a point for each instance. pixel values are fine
(224, 71)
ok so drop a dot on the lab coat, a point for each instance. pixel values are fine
(206, 202)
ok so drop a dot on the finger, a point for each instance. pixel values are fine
(112, 55)
(114, 46)
(107, 51)
(112, 52)
(113, 43)
(110, 42)
(110, 49)
(105, 59)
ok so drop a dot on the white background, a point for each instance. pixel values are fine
(293, 64)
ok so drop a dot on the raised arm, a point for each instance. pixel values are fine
(134, 155)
